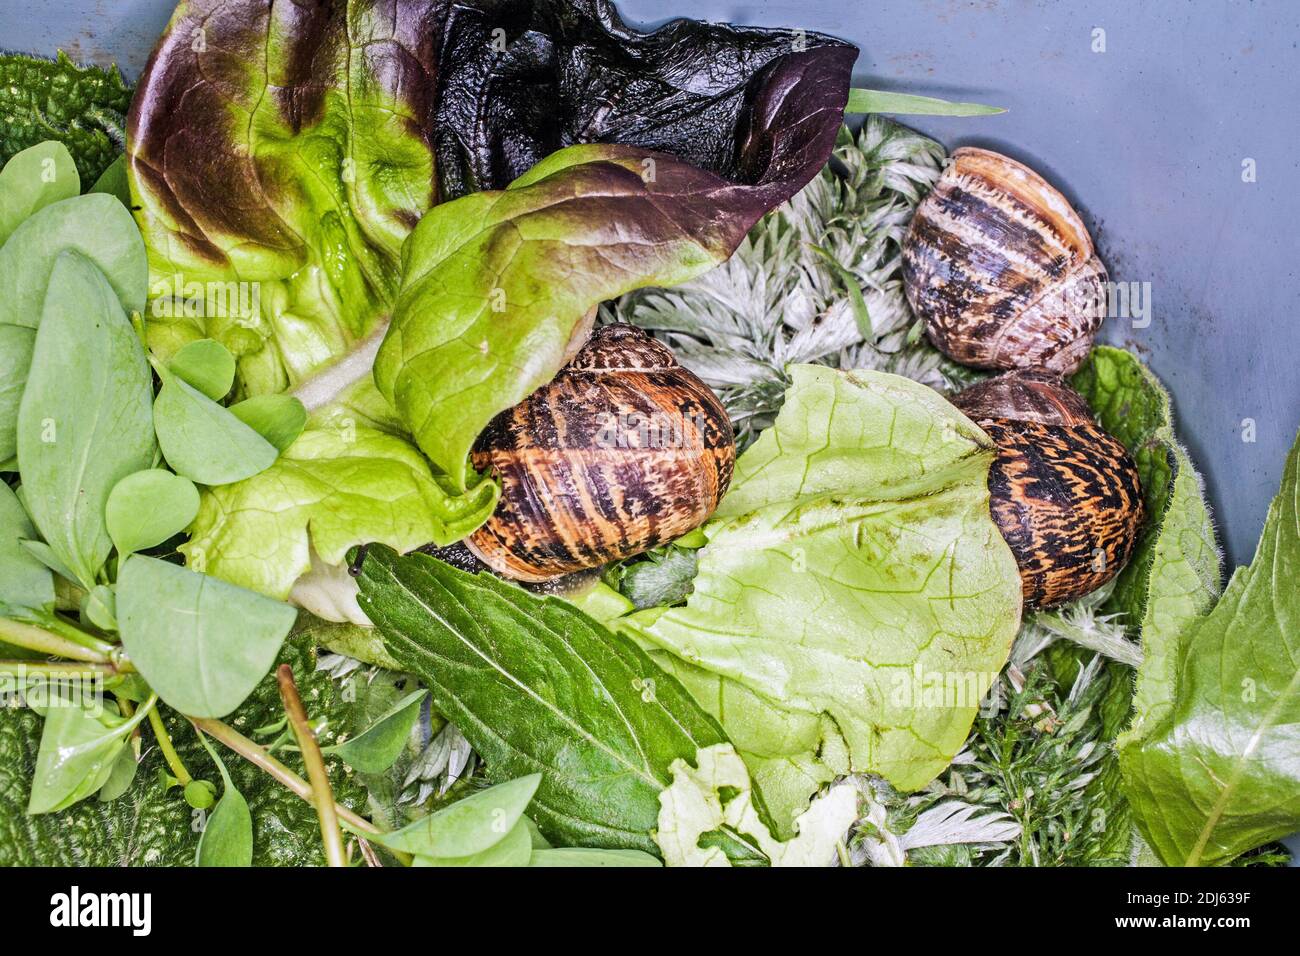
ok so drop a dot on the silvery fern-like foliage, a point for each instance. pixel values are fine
(784, 296)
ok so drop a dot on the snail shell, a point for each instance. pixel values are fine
(1064, 493)
(1002, 269)
(623, 451)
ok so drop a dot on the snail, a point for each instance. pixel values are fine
(1002, 269)
(1065, 494)
(623, 451)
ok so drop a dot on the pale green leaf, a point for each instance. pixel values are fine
(202, 440)
(201, 643)
(206, 365)
(148, 507)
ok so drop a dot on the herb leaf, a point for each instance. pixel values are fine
(32, 179)
(227, 838)
(280, 419)
(536, 685)
(24, 581)
(203, 440)
(1219, 773)
(76, 443)
(471, 825)
(375, 749)
(901, 104)
(79, 746)
(146, 508)
(207, 366)
(201, 643)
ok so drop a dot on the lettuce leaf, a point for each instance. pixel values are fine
(292, 149)
(338, 484)
(1212, 766)
(693, 805)
(854, 593)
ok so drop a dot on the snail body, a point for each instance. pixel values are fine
(623, 451)
(1001, 268)
(1065, 494)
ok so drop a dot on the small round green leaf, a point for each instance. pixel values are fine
(207, 365)
(279, 419)
(200, 794)
(148, 507)
(203, 440)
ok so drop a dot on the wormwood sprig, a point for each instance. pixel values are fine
(817, 280)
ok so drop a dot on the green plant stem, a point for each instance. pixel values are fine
(55, 645)
(75, 634)
(57, 669)
(168, 750)
(322, 794)
(258, 757)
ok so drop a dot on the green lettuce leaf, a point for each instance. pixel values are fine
(334, 487)
(695, 805)
(513, 276)
(854, 597)
(1212, 769)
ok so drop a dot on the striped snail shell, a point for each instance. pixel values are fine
(623, 451)
(1002, 269)
(1064, 493)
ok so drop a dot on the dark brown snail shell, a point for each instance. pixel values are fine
(1002, 269)
(623, 451)
(1064, 494)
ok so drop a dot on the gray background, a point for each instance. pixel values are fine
(1147, 139)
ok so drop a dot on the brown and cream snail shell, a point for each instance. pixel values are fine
(1065, 494)
(1001, 268)
(623, 451)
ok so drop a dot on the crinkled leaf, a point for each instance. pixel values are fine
(1215, 771)
(715, 795)
(82, 107)
(146, 508)
(1131, 404)
(854, 578)
(201, 643)
(76, 443)
(150, 827)
(538, 686)
(340, 484)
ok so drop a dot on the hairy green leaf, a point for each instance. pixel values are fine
(84, 108)
(1216, 772)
